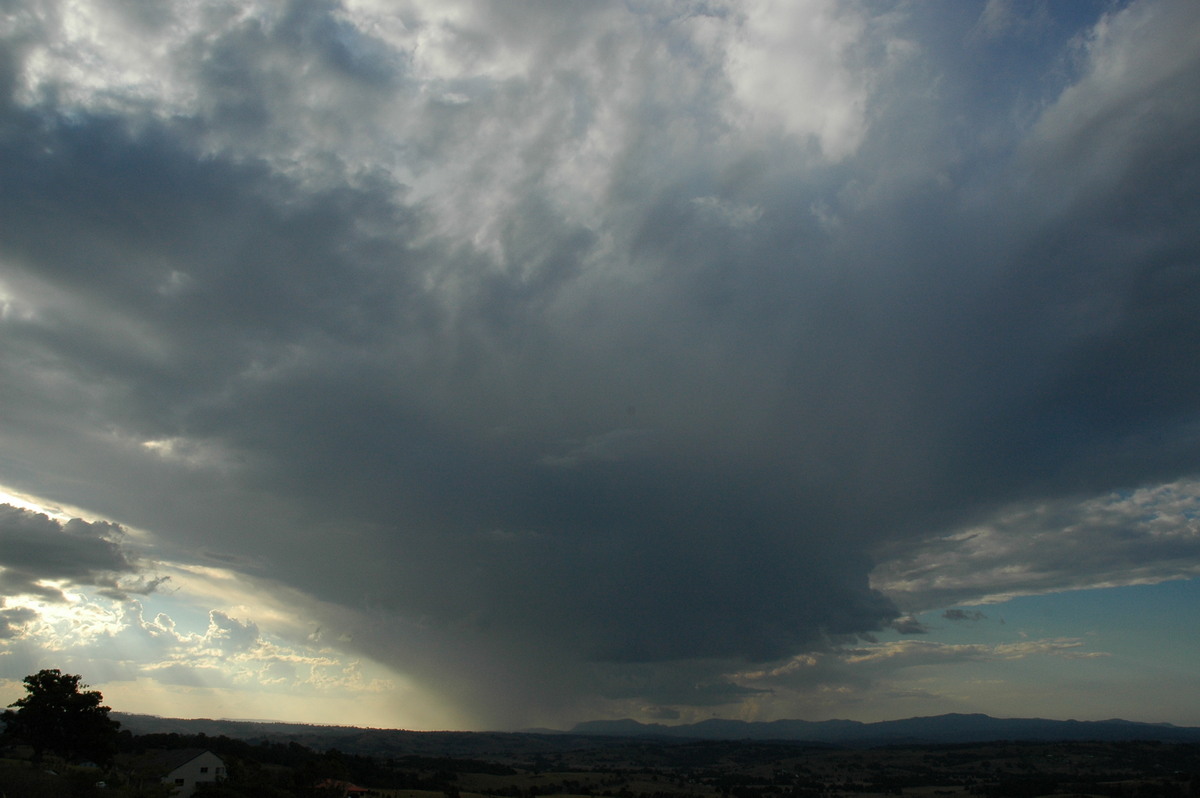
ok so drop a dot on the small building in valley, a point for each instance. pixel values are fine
(184, 769)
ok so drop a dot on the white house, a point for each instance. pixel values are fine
(188, 767)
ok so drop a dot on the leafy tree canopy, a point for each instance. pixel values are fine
(62, 716)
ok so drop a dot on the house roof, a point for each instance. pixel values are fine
(165, 761)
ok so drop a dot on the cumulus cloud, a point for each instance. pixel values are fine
(114, 642)
(659, 342)
(909, 625)
(229, 635)
(802, 66)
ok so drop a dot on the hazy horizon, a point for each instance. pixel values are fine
(648, 724)
(473, 365)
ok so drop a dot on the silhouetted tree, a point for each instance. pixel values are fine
(62, 716)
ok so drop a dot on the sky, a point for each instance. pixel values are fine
(448, 364)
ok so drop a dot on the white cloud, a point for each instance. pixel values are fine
(113, 643)
(107, 637)
(800, 66)
(1140, 537)
(885, 680)
(915, 653)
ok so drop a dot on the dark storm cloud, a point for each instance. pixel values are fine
(35, 549)
(13, 619)
(523, 363)
(708, 694)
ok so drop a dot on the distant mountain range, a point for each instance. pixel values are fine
(938, 729)
(952, 728)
